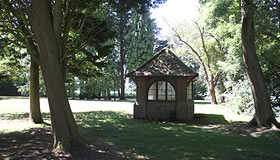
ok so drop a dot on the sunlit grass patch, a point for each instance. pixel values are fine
(207, 136)
(8, 126)
(16, 122)
(141, 139)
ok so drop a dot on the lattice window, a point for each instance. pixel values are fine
(161, 90)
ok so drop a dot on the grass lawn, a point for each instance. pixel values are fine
(116, 135)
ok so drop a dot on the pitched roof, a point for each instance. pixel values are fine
(164, 63)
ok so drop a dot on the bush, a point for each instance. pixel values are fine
(240, 97)
(7, 87)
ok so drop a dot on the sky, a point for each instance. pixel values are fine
(174, 11)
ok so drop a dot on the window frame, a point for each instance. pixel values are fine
(157, 91)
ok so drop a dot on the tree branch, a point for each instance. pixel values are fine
(203, 45)
(272, 36)
(196, 53)
(217, 78)
(218, 42)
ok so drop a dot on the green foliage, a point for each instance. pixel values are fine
(141, 39)
(200, 90)
(200, 85)
(240, 97)
(7, 87)
(199, 47)
(222, 18)
(267, 29)
(14, 76)
(91, 40)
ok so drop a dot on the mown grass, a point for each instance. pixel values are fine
(13, 97)
(140, 139)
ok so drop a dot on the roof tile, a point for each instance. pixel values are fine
(164, 63)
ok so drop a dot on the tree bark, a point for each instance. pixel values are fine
(122, 63)
(109, 94)
(222, 89)
(212, 90)
(64, 128)
(122, 29)
(263, 112)
(35, 112)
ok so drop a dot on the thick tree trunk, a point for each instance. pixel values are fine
(35, 112)
(64, 128)
(263, 112)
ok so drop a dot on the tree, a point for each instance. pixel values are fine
(207, 54)
(50, 23)
(35, 112)
(141, 39)
(17, 37)
(46, 25)
(263, 113)
(123, 12)
(267, 31)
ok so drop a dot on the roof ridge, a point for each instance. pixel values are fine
(167, 65)
(150, 59)
(179, 60)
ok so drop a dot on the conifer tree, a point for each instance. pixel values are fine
(141, 39)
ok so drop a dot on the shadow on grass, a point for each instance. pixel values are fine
(17, 116)
(27, 144)
(140, 139)
(207, 119)
(202, 102)
(115, 135)
(35, 143)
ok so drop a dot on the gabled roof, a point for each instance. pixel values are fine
(164, 63)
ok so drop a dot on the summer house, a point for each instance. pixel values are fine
(164, 88)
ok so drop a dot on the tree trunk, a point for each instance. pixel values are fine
(122, 28)
(210, 83)
(114, 85)
(263, 112)
(109, 94)
(64, 128)
(222, 89)
(122, 96)
(35, 113)
(212, 91)
(119, 93)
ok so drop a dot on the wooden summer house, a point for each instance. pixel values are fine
(164, 88)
